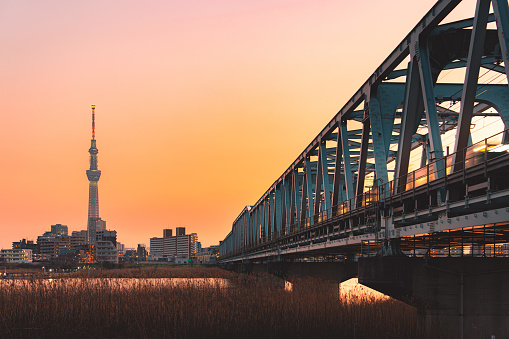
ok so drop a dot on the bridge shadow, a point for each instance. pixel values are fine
(465, 296)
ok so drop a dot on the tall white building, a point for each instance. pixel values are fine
(179, 246)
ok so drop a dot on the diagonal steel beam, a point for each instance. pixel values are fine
(346, 161)
(501, 11)
(430, 106)
(475, 54)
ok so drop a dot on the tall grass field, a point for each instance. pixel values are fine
(201, 303)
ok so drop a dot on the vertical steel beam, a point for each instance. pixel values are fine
(240, 226)
(251, 228)
(288, 200)
(475, 54)
(319, 180)
(297, 195)
(309, 189)
(272, 214)
(238, 231)
(259, 223)
(236, 236)
(424, 155)
(346, 161)
(325, 176)
(283, 204)
(248, 227)
(304, 196)
(338, 188)
(245, 221)
(244, 229)
(278, 208)
(256, 223)
(293, 199)
(267, 218)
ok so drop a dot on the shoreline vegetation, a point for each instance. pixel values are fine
(249, 306)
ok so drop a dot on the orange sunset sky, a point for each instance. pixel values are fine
(200, 105)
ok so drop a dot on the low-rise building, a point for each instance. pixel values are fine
(130, 255)
(79, 238)
(105, 251)
(208, 255)
(120, 249)
(59, 230)
(51, 246)
(16, 255)
(25, 245)
(142, 252)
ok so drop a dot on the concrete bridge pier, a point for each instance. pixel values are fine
(311, 287)
(466, 296)
(326, 276)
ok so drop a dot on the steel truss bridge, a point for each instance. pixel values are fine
(377, 195)
(350, 192)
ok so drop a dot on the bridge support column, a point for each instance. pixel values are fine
(467, 296)
(326, 276)
(315, 286)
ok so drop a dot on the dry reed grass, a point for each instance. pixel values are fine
(178, 271)
(252, 307)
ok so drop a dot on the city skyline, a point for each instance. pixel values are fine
(201, 106)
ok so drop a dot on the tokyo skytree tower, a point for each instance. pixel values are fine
(93, 175)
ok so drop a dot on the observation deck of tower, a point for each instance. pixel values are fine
(93, 175)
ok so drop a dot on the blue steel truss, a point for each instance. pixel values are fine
(346, 165)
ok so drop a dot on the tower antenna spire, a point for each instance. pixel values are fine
(93, 122)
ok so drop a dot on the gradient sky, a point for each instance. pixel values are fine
(200, 105)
